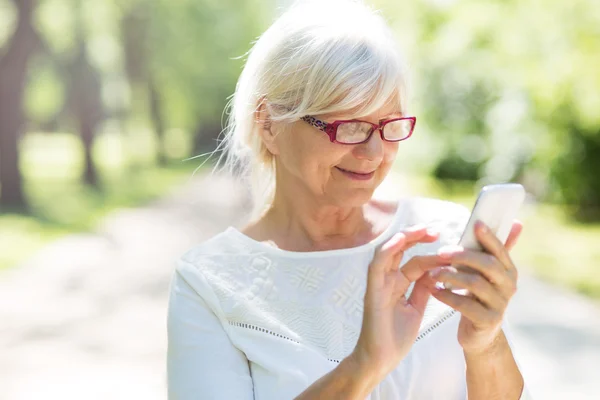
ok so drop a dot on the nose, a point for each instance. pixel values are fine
(372, 149)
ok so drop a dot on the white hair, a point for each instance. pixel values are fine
(318, 57)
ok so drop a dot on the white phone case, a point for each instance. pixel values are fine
(497, 206)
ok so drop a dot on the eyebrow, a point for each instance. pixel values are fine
(395, 114)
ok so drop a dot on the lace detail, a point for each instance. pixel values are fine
(423, 334)
(315, 301)
(432, 327)
(307, 279)
(350, 296)
(257, 328)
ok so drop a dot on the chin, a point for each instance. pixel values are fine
(355, 197)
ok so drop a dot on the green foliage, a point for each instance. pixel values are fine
(521, 77)
(576, 172)
(45, 92)
(193, 50)
(55, 21)
(8, 16)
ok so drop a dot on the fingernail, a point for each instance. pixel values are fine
(432, 232)
(434, 273)
(482, 227)
(393, 241)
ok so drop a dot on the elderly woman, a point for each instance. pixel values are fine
(329, 293)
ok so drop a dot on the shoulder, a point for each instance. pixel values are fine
(215, 260)
(226, 246)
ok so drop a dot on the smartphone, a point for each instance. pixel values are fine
(496, 206)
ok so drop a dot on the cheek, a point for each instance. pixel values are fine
(389, 155)
(310, 156)
(321, 159)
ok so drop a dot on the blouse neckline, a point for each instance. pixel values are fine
(266, 248)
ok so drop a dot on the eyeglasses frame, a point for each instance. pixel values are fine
(330, 128)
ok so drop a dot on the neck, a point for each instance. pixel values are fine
(299, 222)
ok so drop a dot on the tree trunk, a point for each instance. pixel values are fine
(205, 136)
(13, 75)
(87, 133)
(157, 120)
(85, 100)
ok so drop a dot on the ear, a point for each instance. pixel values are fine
(264, 125)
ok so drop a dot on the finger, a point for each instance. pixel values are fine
(475, 283)
(402, 282)
(390, 254)
(420, 234)
(492, 244)
(419, 265)
(430, 236)
(485, 263)
(420, 295)
(488, 266)
(383, 256)
(514, 235)
(417, 270)
(429, 281)
(469, 307)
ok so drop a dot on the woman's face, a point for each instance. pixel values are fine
(308, 158)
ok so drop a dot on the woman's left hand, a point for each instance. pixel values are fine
(491, 282)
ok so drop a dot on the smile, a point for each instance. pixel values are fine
(359, 176)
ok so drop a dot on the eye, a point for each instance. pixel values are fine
(398, 130)
(353, 132)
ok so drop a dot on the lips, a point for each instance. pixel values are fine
(357, 176)
(356, 172)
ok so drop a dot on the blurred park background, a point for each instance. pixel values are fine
(112, 104)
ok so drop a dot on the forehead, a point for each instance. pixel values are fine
(385, 112)
(374, 112)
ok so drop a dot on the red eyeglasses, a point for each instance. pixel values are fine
(355, 131)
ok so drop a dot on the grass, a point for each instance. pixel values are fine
(552, 247)
(60, 204)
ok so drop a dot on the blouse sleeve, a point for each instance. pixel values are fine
(202, 363)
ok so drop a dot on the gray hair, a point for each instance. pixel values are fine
(318, 57)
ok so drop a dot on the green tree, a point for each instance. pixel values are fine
(194, 53)
(508, 91)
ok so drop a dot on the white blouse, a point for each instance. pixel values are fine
(247, 320)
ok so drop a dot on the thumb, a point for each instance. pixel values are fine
(420, 295)
(383, 256)
(515, 232)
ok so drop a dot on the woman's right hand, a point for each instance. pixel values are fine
(391, 321)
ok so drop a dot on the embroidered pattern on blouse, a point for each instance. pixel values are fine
(307, 278)
(262, 286)
(350, 296)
